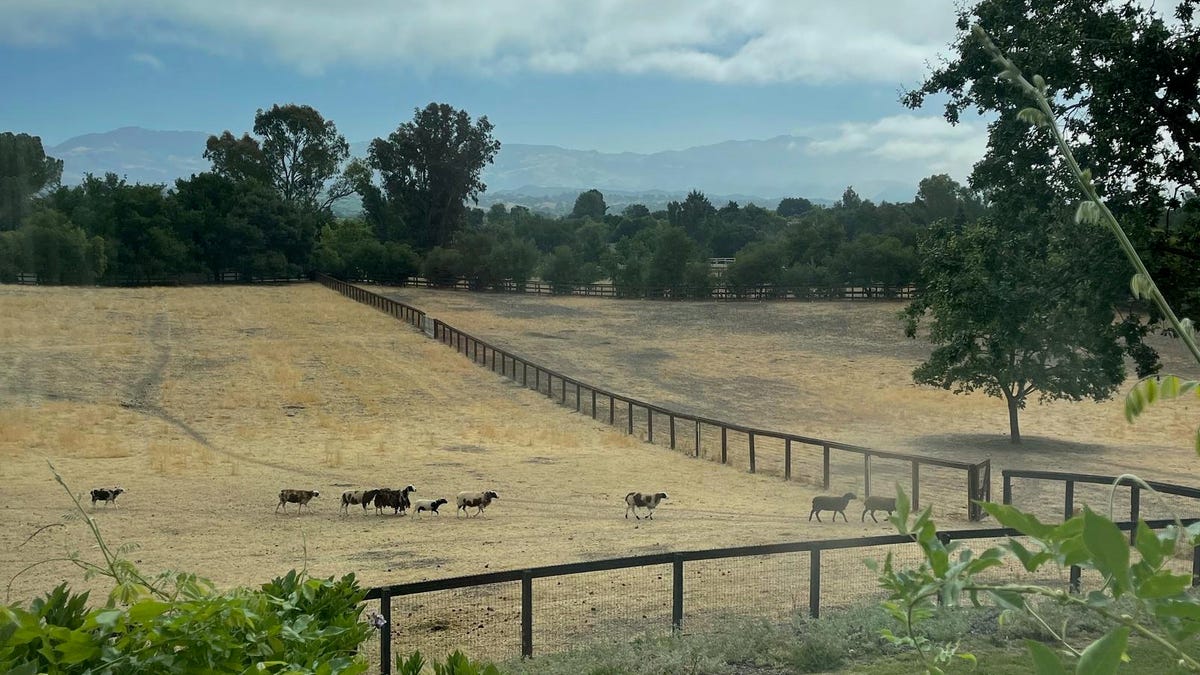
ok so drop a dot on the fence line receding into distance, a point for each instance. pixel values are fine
(686, 430)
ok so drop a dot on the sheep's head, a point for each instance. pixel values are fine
(410, 489)
(316, 494)
(490, 494)
(660, 495)
(439, 502)
(849, 495)
(118, 490)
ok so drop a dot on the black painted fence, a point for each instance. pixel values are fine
(637, 416)
(608, 290)
(520, 642)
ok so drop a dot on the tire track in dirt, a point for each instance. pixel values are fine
(145, 394)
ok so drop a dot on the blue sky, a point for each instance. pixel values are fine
(608, 75)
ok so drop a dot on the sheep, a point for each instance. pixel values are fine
(364, 497)
(479, 500)
(396, 499)
(645, 500)
(835, 504)
(300, 497)
(106, 495)
(874, 504)
(430, 505)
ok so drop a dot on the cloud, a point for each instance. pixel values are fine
(927, 141)
(754, 41)
(148, 60)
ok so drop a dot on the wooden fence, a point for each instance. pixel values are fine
(608, 290)
(636, 416)
(488, 592)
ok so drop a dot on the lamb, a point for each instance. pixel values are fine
(479, 500)
(835, 504)
(645, 500)
(874, 504)
(300, 497)
(106, 495)
(430, 505)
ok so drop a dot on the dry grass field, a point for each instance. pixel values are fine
(204, 402)
(840, 371)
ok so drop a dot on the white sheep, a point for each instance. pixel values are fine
(430, 505)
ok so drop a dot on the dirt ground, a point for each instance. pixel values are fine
(204, 402)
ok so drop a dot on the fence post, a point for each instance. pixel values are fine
(1135, 508)
(385, 633)
(1196, 566)
(787, 459)
(593, 404)
(825, 467)
(1069, 500)
(972, 479)
(650, 424)
(526, 614)
(916, 485)
(724, 444)
(563, 397)
(697, 438)
(1006, 494)
(612, 410)
(814, 583)
(630, 418)
(671, 421)
(867, 473)
(577, 392)
(525, 374)
(677, 593)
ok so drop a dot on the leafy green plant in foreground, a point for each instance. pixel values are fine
(179, 623)
(1164, 611)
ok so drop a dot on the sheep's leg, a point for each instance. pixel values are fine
(651, 516)
(818, 517)
(873, 517)
(863, 517)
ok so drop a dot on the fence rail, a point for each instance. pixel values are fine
(531, 375)
(681, 292)
(679, 563)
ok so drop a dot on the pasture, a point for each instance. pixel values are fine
(204, 402)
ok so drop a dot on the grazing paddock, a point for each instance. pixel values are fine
(203, 403)
(840, 371)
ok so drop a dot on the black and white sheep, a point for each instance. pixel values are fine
(299, 497)
(874, 504)
(645, 500)
(430, 505)
(835, 504)
(396, 499)
(479, 500)
(364, 497)
(106, 495)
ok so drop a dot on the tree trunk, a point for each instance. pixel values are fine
(1014, 428)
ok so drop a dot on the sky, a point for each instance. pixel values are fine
(607, 75)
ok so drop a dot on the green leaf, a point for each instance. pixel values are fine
(1149, 545)
(1010, 517)
(1104, 655)
(1045, 661)
(1164, 585)
(1110, 551)
(146, 610)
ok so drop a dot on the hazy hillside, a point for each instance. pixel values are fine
(546, 176)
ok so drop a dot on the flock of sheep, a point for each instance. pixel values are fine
(398, 501)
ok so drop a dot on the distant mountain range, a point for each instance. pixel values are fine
(547, 177)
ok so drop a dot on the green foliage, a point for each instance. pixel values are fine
(179, 623)
(25, 171)
(428, 168)
(1014, 311)
(442, 266)
(589, 204)
(301, 151)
